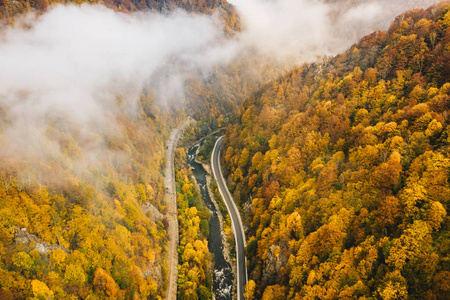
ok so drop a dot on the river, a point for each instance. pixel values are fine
(223, 276)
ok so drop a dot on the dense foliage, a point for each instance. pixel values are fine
(345, 162)
(342, 170)
(99, 234)
(73, 230)
(195, 260)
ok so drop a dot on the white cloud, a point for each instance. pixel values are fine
(68, 69)
(70, 65)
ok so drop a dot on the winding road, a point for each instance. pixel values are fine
(236, 222)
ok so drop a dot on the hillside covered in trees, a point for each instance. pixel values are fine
(342, 171)
(83, 210)
(11, 6)
(195, 277)
(354, 177)
(95, 234)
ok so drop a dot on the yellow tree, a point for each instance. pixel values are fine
(250, 288)
(274, 292)
(394, 287)
(104, 284)
(413, 241)
(41, 290)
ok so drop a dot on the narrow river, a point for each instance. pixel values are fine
(223, 276)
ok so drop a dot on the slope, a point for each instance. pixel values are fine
(99, 231)
(341, 170)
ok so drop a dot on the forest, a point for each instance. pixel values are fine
(72, 229)
(101, 234)
(76, 230)
(195, 260)
(341, 170)
(96, 235)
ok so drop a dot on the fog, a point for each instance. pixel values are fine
(284, 29)
(69, 67)
(301, 30)
(73, 56)
(72, 67)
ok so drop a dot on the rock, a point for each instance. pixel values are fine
(22, 236)
(275, 260)
(153, 271)
(155, 214)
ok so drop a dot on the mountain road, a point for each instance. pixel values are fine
(236, 222)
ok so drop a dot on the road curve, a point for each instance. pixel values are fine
(172, 215)
(236, 222)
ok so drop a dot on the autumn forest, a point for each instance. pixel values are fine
(339, 165)
(341, 169)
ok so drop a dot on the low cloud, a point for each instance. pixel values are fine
(75, 68)
(288, 28)
(300, 30)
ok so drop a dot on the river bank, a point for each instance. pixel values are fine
(224, 278)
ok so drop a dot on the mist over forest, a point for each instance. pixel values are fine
(89, 94)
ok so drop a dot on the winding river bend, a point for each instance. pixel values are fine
(223, 276)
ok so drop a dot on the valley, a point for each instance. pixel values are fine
(223, 276)
(331, 175)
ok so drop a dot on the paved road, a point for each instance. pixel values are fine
(171, 201)
(236, 222)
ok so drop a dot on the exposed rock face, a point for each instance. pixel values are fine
(22, 236)
(155, 214)
(249, 212)
(153, 271)
(275, 260)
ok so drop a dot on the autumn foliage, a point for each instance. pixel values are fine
(341, 169)
(90, 235)
(195, 261)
